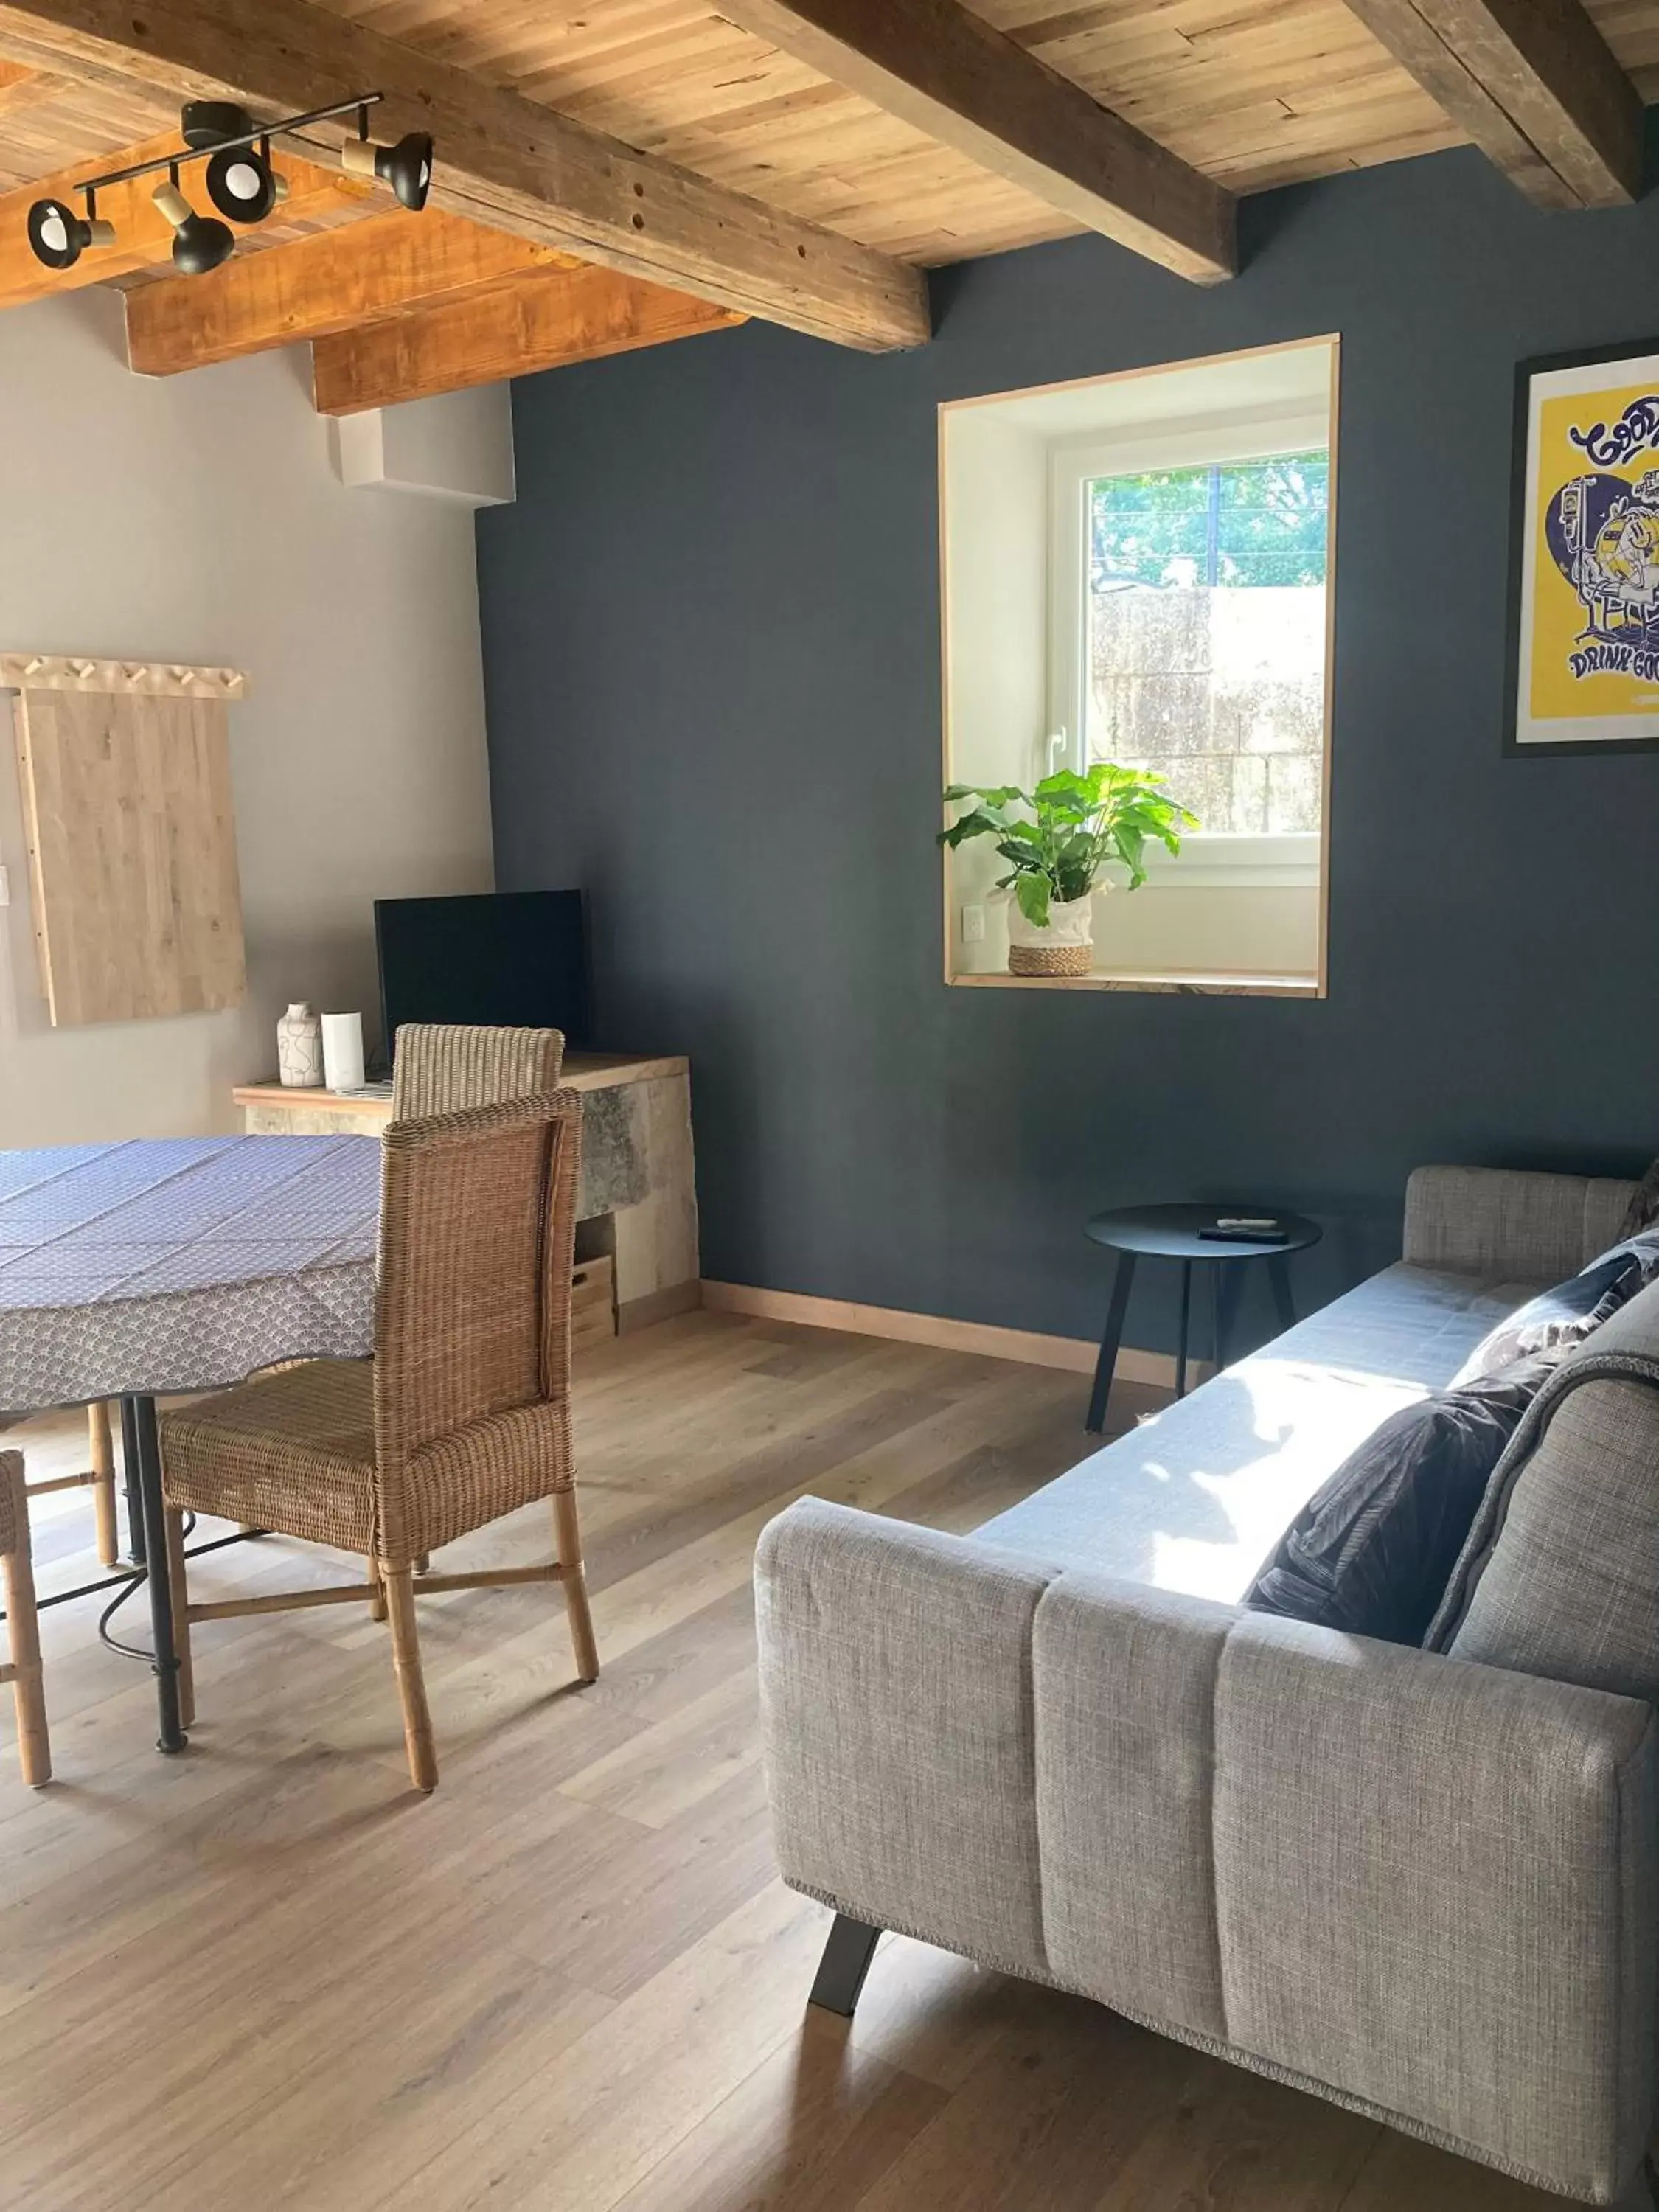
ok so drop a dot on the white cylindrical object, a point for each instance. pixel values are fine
(343, 1051)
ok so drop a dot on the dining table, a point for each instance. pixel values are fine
(152, 1266)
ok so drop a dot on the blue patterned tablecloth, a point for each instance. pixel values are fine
(181, 1264)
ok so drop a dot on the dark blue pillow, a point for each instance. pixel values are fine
(1373, 1549)
(1571, 1311)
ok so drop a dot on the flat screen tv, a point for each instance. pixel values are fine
(518, 959)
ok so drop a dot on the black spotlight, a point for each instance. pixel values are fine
(60, 236)
(406, 167)
(200, 242)
(241, 184)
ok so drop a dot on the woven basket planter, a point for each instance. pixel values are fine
(1050, 959)
(1065, 947)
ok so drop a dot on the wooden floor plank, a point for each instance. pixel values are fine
(813, 2130)
(266, 1974)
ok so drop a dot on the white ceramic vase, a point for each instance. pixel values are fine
(300, 1049)
(1064, 946)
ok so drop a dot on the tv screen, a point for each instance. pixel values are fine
(518, 959)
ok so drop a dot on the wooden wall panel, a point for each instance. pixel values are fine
(133, 854)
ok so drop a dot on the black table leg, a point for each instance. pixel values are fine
(1229, 1282)
(1186, 1320)
(1217, 1362)
(138, 1422)
(1279, 1273)
(130, 1484)
(1106, 1365)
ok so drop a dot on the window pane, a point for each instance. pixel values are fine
(1205, 629)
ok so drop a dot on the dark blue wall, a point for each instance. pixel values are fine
(711, 633)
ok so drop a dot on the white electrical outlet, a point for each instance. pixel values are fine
(973, 925)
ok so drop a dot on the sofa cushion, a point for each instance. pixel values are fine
(1560, 1574)
(1193, 1500)
(1569, 1312)
(1490, 1221)
(1374, 1547)
(1432, 1889)
(1123, 1687)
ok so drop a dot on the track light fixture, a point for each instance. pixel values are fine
(240, 181)
(200, 242)
(60, 236)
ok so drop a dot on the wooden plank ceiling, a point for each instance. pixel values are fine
(1202, 98)
(1255, 93)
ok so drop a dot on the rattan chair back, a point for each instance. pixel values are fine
(473, 1322)
(442, 1067)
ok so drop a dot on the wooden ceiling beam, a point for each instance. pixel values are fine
(502, 160)
(1535, 85)
(317, 197)
(947, 72)
(391, 264)
(544, 321)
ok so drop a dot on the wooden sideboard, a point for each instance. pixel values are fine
(638, 1202)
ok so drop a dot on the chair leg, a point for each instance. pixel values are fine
(568, 1531)
(377, 1603)
(23, 1635)
(399, 1585)
(176, 1576)
(102, 1447)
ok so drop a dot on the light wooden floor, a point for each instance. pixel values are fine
(266, 1975)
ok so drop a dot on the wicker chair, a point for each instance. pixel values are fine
(441, 1067)
(100, 1478)
(438, 1067)
(22, 1624)
(463, 1415)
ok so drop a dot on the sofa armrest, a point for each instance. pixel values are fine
(1421, 1886)
(1511, 1223)
(896, 1713)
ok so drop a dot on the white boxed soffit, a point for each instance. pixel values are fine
(457, 447)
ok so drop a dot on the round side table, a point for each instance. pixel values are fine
(1173, 1232)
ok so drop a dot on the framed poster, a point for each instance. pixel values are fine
(1584, 560)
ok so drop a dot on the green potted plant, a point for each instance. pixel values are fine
(1078, 825)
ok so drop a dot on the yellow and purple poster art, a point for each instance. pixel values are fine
(1586, 608)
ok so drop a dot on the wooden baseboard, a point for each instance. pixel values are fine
(1075, 1354)
(657, 1306)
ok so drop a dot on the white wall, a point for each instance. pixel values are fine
(199, 518)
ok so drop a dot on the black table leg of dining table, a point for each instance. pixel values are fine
(130, 1484)
(139, 1434)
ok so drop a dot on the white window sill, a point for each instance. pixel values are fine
(1216, 862)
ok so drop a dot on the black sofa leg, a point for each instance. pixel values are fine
(845, 1963)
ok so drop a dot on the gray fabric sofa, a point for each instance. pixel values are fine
(1418, 1885)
